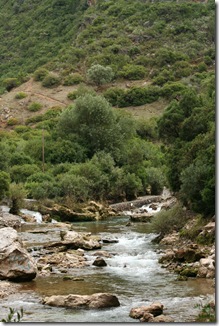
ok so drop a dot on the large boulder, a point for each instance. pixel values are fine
(16, 264)
(94, 301)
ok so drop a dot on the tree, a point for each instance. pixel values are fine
(4, 184)
(17, 195)
(95, 124)
(100, 75)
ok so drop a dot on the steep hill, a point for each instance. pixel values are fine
(154, 43)
(160, 56)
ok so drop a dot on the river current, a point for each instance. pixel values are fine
(133, 274)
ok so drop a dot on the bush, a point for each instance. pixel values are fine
(40, 74)
(132, 72)
(165, 222)
(100, 75)
(172, 89)
(34, 107)
(115, 96)
(134, 96)
(202, 67)
(17, 195)
(12, 121)
(20, 95)
(10, 83)
(21, 129)
(81, 91)
(51, 80)
(19, 173)
(73, 79)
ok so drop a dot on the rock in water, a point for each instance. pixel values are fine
(94, 301)
(99, 262)
(15, 262)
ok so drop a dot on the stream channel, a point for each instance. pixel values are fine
(133, 274)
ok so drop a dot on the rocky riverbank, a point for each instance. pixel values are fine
(65, 249)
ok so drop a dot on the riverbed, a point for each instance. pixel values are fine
(132, 273)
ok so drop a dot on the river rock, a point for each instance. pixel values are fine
(188, 254)
(81, 240)
(141, 217)
(156, 308)
(7, 288)
(170, 239)
(7, 219)
(99, 262)
(61, 260)
(92, 212)
(103, 253)
(147, 317)
(94, 301)
(15, 262)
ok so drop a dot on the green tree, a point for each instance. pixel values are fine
(96, 125)
(17, 195)
(100, 75)
(4, 184)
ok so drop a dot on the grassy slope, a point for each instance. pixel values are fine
(65, 36)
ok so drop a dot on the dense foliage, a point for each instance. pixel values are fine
(92, 149)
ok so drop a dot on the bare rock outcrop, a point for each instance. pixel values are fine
(16, 264)
(94, 301)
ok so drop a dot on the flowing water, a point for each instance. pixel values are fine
(132, 274)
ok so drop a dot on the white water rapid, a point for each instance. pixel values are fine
(132, 273)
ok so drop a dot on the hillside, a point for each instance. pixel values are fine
(160, 58)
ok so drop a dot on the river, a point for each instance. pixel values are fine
(133, 274)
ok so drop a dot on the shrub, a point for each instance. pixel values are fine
(141, 95)
(114, 95)
(20, 95)
(12, 121)
(172, 89)
(21, 129)
(34, 107)
(73, 79)
(81, 91)
(165, 222)
(100, 75)
(202, 67)
(40, 74)
(34, 119)
(19, 173)
(17, 195)
(133, 72)
(10, 83)
(51, 80)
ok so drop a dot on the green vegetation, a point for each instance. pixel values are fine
(207, 314)
(133, 53)
(14, 316)
(34, 107)
(166, 221)
(20, 95)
